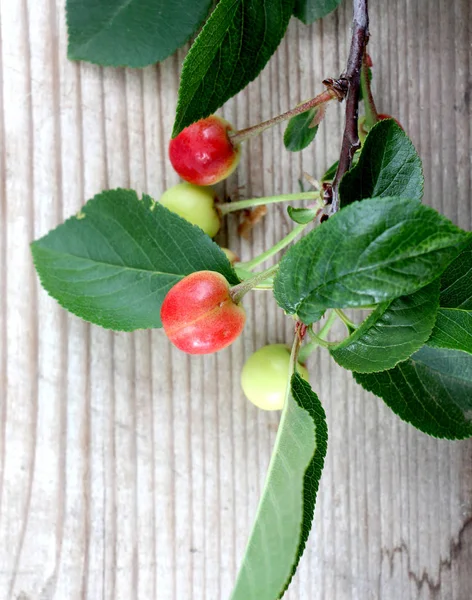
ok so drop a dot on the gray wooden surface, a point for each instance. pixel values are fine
(130, 471)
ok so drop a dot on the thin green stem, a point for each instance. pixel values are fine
(330, 321)
(238, 291)
(307, 350)
(280, 245)
(228, 207)
(265, 286)
(244, 274)
(318, 339)
(239, 136)
(294, 354)
(351, 326)
(371, 114)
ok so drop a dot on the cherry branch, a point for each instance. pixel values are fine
(352, 79)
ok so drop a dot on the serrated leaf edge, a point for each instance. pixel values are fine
(82, 214)
(177, 128)
(370, 321)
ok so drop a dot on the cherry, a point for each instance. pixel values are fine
(195, 204)
(203, 153)
(199, 315)
(265, 376)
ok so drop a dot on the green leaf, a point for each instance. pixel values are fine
(388, 166)
(132, 33)
(231, 50)
(302, 216)
(453, 330)
(453, 327)
(456, 282)
(114, 263)
(367, 253)
(311, 10)
(300, 132)
(330, 173)
(391, 333)
(285, 512)
(432, 390)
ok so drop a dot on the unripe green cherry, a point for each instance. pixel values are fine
(265, 376)
(194, 204)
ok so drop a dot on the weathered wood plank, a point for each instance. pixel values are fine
(128, 470)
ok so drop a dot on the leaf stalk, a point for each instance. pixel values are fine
(228, 207)
(296, 231)
(318, 339)
(238, 291)
(371, 114)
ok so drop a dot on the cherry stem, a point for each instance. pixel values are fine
(297, 340)
(239, 136)
(371, 114)
(296, 231)
(244, 274)
(318, 339)
(283, 243)
(350, 325)
(238, 291)
(350, 143)
(228, 207)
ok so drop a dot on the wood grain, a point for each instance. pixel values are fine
(129, 471)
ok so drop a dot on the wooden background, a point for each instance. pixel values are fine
(130, 471)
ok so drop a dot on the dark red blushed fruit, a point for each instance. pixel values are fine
(199, 316)
(203, 153)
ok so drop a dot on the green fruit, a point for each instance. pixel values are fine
(265, 376)
(195, 204)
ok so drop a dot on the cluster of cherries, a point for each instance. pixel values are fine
(199, 314)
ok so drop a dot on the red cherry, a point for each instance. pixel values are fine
(203, 153)
(199, 315)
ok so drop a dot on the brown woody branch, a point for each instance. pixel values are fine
(352, 81)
